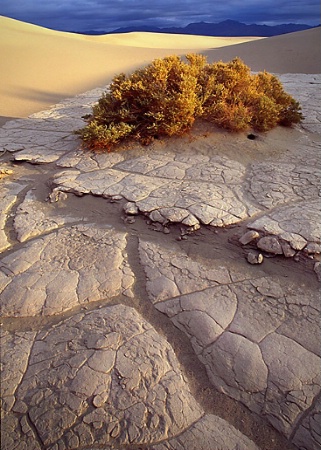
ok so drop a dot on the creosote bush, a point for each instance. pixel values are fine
(167, 96)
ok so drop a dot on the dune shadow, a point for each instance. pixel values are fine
(38, 95)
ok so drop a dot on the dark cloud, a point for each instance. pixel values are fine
(108, 15)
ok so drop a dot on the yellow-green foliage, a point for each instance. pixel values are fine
(165, 98)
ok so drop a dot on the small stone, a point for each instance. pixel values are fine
(131, 208)
(195, 227)
(312, 247)
(297, 242)
(288, 251)
(116, 198)
(190, 220)
(130, 220)
(166, 230)
(5, 171)
(56, 195)
(157, 227)
(270, 244)
(248, 237)
(254, 257)
(156, 216)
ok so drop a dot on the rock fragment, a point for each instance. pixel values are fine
(300, 231)
(56, 196)
(270, 244)
(312, 248)
(5, 171)
(254, 257)
(131, 208)
(248, 237)
(288, 251)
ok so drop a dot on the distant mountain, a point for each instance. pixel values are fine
(226, 28)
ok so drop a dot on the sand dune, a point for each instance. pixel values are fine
(39, 67)
(170, 41)
(290, 53)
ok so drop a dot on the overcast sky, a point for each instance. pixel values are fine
(82, 15)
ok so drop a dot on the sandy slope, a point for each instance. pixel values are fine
(39, 67)
(170, 41)
(290, 53)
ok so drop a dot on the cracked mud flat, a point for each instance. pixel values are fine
(130, 315)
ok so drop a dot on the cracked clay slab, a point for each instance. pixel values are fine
(64, 269)
(8, 197)
(106, 378)
(243, 331)
(34, 218)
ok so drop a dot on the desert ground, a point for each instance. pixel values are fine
(161, 297)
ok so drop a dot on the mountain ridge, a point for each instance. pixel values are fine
(228, 28)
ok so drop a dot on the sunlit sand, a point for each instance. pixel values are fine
(40, 67)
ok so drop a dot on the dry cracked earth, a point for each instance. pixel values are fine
(163, 297)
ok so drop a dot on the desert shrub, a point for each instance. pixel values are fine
(271, 105)
(167, 96)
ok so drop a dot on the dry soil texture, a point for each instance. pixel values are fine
(131, 317)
